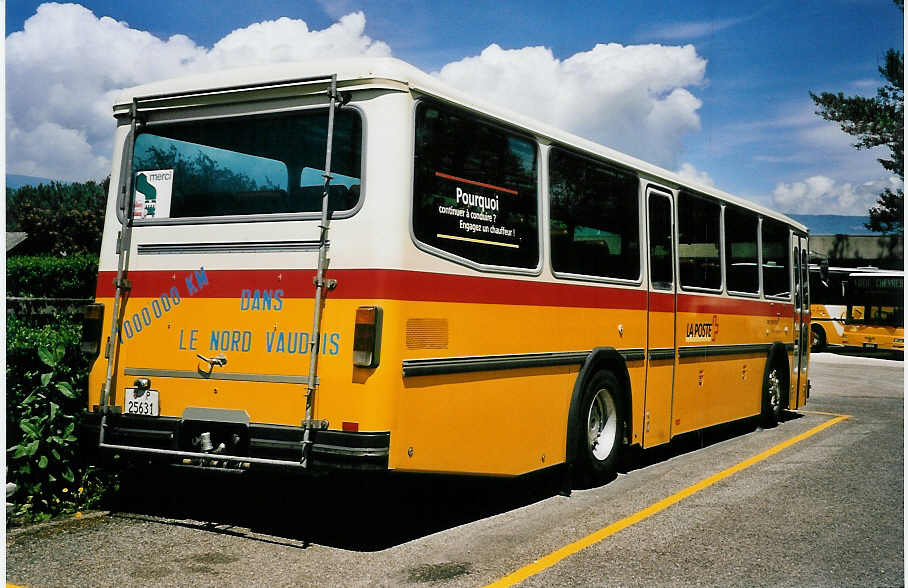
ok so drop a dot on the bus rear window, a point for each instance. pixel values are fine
(246, 166)
(474, 192)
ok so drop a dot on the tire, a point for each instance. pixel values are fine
(817, 338)
(601, 430)
(771, 411)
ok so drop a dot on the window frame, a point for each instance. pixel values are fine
(640, 218)
(505, 127)
(244, 218)
(726, 254)
(649, 190)
(791, 269)
(721, 250)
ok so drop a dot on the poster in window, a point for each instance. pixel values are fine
(475, 212)
(154, 189)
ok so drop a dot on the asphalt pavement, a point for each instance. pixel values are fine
(825, 509)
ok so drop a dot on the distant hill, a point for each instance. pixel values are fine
(15, 181)
(833, 224)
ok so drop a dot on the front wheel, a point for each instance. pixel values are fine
(602, 431)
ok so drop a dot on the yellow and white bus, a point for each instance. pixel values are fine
(875, 311)
(347, 264)
(827, 305)
(839, 298)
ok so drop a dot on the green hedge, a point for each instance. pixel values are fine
(52, 277)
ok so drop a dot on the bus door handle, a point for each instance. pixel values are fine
(219, 360)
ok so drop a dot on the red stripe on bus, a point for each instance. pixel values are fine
(695, 303)
(380, 284)
(490, 186)
(429, 287)
(660, 302)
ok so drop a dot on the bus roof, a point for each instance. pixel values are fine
(387, 72)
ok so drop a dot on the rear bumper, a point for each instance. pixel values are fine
(175, 440)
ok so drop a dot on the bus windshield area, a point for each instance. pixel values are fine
(246, 166)
(875, 300)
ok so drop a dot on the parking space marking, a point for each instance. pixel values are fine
(568, 550)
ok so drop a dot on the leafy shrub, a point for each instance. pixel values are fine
(44, 461)
(24, 336)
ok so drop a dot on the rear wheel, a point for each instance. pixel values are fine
(602, 431)
(817, 338)
(772, 398)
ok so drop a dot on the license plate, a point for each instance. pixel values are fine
(142, 402)
(870, 345)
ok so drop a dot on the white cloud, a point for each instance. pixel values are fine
(689, 172)
(823, 195)
(52, 151)
(288, 39)
(693, 29)
(65, 67)
(631, 98)
(337, 8)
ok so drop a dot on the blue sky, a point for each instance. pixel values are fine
(717, 90)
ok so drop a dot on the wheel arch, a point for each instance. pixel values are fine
(599, 359)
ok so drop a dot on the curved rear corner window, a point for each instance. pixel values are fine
(247, 166)
(698, 242)
(474, 192)
(595, 223)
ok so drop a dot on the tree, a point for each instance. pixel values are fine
(877, 121)
(60, 219)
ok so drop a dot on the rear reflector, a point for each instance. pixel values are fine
(367, 336)
(350, 427)
(92, 324)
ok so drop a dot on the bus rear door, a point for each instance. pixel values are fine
(661, 347)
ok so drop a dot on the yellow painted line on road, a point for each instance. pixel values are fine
(568, 550)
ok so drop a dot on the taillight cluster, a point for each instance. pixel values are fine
(367, 336)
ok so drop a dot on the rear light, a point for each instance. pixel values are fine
(367, 336)
(92, 325)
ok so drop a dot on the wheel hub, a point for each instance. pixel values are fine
(602, 422)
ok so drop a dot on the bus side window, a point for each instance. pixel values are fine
(660, 241)
(741, 271)
(698, 242)
(594, 218)
(475, 189)
(804, 279)
(776, 261)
